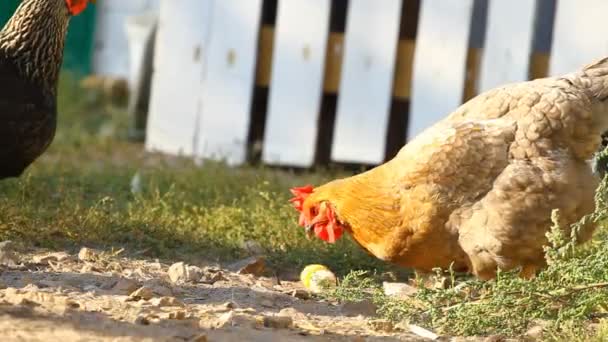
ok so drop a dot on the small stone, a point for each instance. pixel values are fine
(159, 287)
(300, 294)
(55, 257)
(30, 288)
(382, 325)
(87, 254)
(178, 315)
(125, 286)
(194, 273)
(535, 333)
(255, 266)
(229, 305)
(166, 301)
(180, 272)
(233, 319)
(143, 292)
(278, 322)
(422, 332)
(177, 272)
(365, 308)
(8, 257)
(399, 290)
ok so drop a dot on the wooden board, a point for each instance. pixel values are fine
(229, 80)
(508, 43)
(372, 32)
(439, 61)
(297, 80)
(579, 35)
(178, 68)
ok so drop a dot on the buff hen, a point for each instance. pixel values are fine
(475, 191)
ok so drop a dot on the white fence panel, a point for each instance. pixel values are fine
(372, 32)
(439, 62)
(228, 80)
(301, 35)
(508, 44)
(579, 35)
(176, 85)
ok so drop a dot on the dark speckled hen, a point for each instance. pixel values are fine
(31, 54)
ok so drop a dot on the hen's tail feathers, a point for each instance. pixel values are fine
(595, 78)
(598, 64)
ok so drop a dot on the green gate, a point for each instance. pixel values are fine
(79, 44)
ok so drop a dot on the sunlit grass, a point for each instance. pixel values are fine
(79, 192)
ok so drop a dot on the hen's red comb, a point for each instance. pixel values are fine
(77, 6)
(300, 194)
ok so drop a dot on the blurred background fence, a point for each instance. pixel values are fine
(305, 82)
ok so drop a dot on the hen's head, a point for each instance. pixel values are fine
(316, 215)
(76, 7)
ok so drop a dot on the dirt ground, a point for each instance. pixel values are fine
(102, 296)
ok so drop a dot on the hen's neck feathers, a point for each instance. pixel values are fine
(370, 197)
(34, 39)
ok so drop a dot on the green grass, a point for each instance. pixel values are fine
(79, 193)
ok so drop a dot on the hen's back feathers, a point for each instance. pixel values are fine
(557, 127)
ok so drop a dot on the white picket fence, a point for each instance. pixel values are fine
(206, 64)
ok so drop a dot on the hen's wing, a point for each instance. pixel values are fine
(463, 157)
(436, 174)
